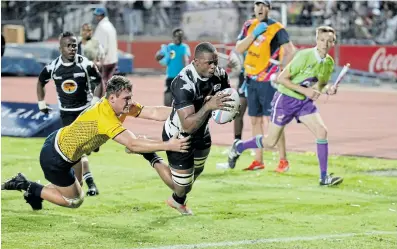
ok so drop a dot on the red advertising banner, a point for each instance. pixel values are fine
(376, 59)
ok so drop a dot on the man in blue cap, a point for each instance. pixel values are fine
(106, 34)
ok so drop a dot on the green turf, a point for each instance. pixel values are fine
(228, 205)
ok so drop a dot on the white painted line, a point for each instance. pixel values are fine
(274, 240)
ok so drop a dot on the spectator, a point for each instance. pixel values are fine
(388, 33)
(106, 34)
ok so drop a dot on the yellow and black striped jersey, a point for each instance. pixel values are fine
(91, 129)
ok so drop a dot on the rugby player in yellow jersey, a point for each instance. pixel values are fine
(96, 125)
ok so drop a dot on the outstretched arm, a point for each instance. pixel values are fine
(143, 145)
(158, 113)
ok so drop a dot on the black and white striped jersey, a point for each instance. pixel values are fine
(189, 89)
(73, 81)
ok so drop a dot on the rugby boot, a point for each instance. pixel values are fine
(183, 209)
(255, 165)
(18, 182)
(331, 180)
(233, 154)
(92, 190)
(283, 166)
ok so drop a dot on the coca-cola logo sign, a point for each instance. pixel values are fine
(381, 62)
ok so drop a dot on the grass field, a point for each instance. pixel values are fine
(233, 209)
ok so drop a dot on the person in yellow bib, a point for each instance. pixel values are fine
(64, 148)
(265, 42)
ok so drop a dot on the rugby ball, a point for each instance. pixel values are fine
(223, 117)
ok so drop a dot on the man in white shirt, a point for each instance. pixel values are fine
(106, 34)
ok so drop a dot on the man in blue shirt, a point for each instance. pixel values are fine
(175, 56)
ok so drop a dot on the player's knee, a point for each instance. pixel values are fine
(184, 180)
(75, 202)
(322, 133)
(84, 159)
(269, 141)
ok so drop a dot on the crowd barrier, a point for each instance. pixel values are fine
(26, 120)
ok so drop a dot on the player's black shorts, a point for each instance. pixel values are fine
(56, 170)
(168, 82)
(241, 78)
(69, 117)
(183, 161)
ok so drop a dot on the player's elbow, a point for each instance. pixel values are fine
(135, 146)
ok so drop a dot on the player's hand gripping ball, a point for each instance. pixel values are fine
(223, 117)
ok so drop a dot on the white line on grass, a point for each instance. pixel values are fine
(273, 240)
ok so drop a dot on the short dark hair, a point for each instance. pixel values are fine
(66, 34)
(117, 84)
(176, 30)
(204, 47)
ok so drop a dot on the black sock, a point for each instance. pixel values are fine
(237, 136)
(152, 158)
(35, 189)
(180, 200)
(89, 179)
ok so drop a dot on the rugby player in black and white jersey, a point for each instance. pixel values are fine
(74, 76)
(194, 93)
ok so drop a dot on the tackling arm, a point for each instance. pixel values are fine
(143, 145)
(158, 113)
